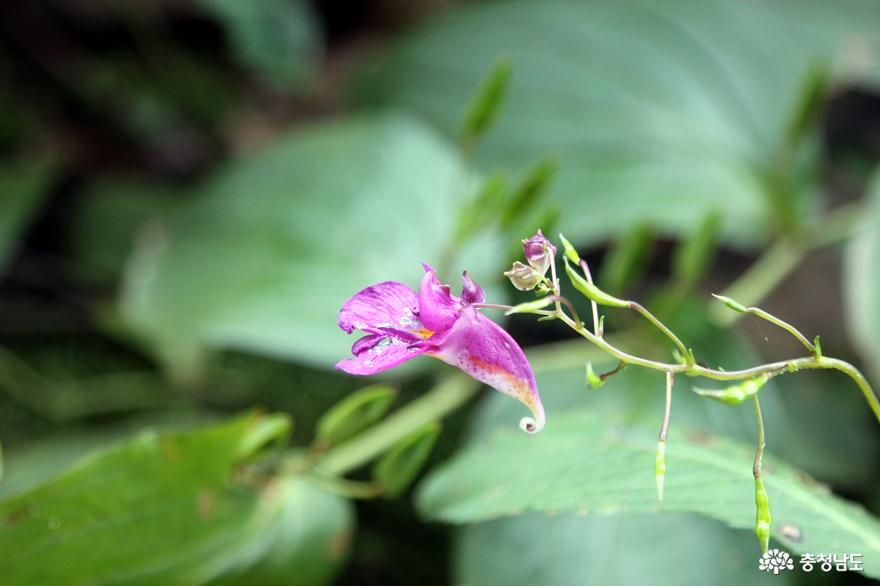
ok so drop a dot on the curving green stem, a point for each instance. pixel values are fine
(770, 369)
(686, 355)
(446, 397)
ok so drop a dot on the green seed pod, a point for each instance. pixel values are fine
(529, 306)
(734, 305)
(660, 468)
(591, 291)
(763, 518)
(736, 394)
(593, 379)
(570, 252)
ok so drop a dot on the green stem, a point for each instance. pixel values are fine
(686, 355)
(762, 277)
(770, 369)
(442, 400)
(597, 329)
(757, 311)
(555, 287)
(759, 453)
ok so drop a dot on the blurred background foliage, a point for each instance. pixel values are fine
(190, 189)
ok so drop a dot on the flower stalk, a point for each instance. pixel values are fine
(660, 458)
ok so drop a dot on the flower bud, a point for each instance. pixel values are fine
(539, 252)
(523, 277)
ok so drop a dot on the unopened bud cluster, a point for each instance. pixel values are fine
(539, 253)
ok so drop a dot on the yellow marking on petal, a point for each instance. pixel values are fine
(519, 384)
(423, 333)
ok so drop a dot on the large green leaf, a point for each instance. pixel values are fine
(578, 550)
(862, 281)
(304, 544)
(278, 241)
(589, 462)
(22, 188)
(176, 507)
(659, 111)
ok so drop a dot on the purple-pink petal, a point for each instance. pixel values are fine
(375, 352)
(479, 347)
(470, 291)
(384, 305)
(438, 308)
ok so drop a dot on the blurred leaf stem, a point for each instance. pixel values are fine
(447, 396)
(784, 255)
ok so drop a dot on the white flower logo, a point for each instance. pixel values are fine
(775, 560)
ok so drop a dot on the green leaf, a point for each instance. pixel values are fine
(587, 462)
(354, 414)
(588, 550)
(862, 284)
(306, 542)
(23, 187)
(276, 38)
(278, 241)
(668, 111)
(485, 105)
(399, 466)
(178, 507)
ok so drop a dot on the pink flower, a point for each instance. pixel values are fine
(400, 324)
